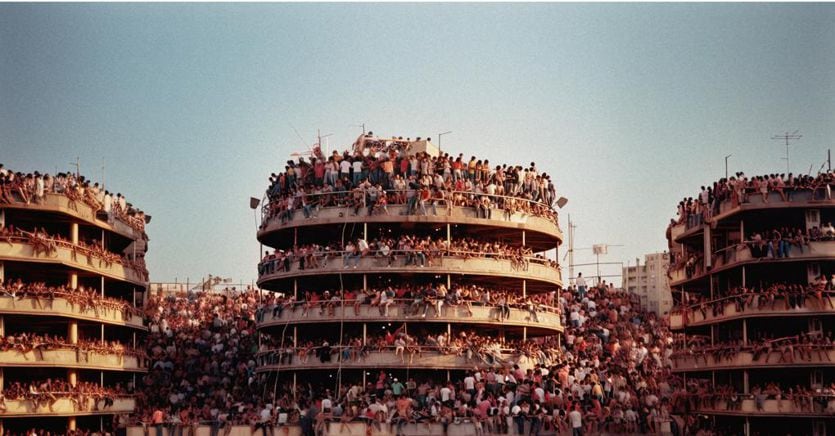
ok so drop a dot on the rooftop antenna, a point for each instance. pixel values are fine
(77, 165)
(787, 137)
(359, 125)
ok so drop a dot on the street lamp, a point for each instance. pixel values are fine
(726, 166)
(439, 140)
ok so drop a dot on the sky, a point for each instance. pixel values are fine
(187, 108)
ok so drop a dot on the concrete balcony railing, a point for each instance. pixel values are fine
(71, 358)
(771, 407)
(741, 255)
(397, 214)
(400, 311)
(537, 269)
(745, 359)
(428, 359)
(463, 428)
(64, 406)
(802, 199)
(61, 203)
(22, 251)
(692, 316)
(64, 308)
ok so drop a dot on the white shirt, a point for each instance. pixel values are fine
(469, 382)
(575, 418)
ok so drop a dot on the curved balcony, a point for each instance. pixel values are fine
(64, 308)
(548, 320)
(745, 359)
(782, 408)
(741, 255)
(72, 358)
(21, 251)
(799, 200)
(428, 359)
(60, 203)
(538, 270)
(692, 315)
(64, 406)
(542, 230)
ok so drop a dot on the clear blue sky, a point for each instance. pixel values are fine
(630, 106)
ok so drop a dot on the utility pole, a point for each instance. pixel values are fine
(787, 137)
(571, 227)
(726, 166)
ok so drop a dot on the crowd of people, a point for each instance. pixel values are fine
(85, 396)
(612, 372)
(202, 348)
(47, 245)
(36, 343)
(737, 189)
(380, 172)
(416, 300)
(700, 394)
(414, 250)
(788, 349)
(81, 297)
(792, 296)
(18, 187)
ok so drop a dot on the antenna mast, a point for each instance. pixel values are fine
(787, 137)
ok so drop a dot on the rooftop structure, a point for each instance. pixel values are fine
(751, 266)
(72, 274)
(391, 263)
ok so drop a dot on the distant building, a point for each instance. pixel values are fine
(650, 282)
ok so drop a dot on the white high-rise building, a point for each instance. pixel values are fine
(650, 282)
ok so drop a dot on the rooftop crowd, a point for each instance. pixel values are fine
(739, 188)
(28, 188)
(378, 172)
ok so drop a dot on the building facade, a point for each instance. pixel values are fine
(650, 282)
(755, 312)
(391, 291)
(73, 279)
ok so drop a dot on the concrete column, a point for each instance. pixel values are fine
(101, 378)
(294, 385)
(524, 288)
(523, 238)
(745, 381)
(448, 233)
(365, 231)
(296, 289)
(743, 276)
(747, 427)
(364, 334)
(102, 333)
(744, 332)
(2, 221)
(72, 331)
(447, 376)
(134, 339)
(71, 423)
(448, 281)
(524, 333)
(2, 269)
(2, 380)
(101, 286)
(711, 286)
(295, 336)
(74, 233)
(72, 281)
(2, 328)
(72, 377)
(449, 329)
(365, 282)
(712, 331)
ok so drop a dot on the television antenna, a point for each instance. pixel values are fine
(787, 137)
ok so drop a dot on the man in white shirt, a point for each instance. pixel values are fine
(575, 419)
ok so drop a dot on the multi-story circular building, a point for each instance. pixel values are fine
(402, 266)
(72, 277)
(755, 313)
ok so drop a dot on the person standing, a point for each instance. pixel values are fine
(575, 419)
